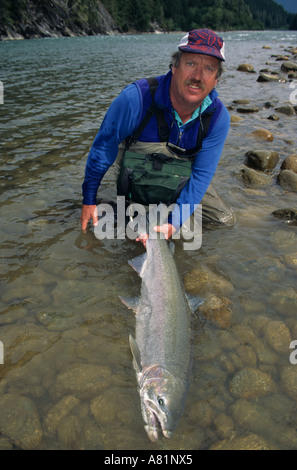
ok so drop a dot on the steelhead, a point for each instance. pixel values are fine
(162, 348)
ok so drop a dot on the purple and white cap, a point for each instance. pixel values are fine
(203, 41)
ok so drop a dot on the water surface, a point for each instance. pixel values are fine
(61, 319)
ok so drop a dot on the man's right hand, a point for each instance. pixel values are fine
(88, 212)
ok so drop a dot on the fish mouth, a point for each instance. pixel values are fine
(154, 423)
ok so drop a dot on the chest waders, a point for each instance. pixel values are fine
(150, 173)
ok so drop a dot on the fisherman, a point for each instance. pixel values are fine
(168, 133)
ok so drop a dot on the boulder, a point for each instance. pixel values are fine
(262, 159)
(288, 180)
(286, 109)
(289, 66)
(290, 163)
(246, 68)
(255, 179)
(268, 77)
(263, 134)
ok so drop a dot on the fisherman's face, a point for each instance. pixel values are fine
(194, 78)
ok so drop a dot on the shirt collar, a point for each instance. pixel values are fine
(206, 102)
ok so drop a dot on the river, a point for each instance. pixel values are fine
(67, 380)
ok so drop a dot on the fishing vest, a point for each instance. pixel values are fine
(150, 172)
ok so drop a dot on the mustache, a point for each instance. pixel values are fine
(196, 83)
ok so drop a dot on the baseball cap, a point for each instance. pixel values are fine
(203, 41)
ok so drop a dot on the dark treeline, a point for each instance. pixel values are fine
(187, 14)
(140, 15)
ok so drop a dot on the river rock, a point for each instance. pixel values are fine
(246, 68)
(273, 117)
(255, 179)
(262, 159)
(287, 214)
(288, 180)
(19, 421)
(288, 381)
(290, 163)
(247, 109)
(82, 380)
(235, 118)
(248, 442)
(250, 383)
(252, 417)
(286, 109)
(289, 66)
(268, 77)
(202, 280)
(217, 310)
(277, 335)
(57, 412)
(263, 134)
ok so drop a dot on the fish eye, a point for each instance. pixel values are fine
(161, 401)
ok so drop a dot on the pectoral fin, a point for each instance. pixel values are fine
(130, 302)
(136, 354)
(194, 302)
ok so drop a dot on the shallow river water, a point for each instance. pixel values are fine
(67, 380)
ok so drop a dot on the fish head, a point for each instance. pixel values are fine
(162, 403)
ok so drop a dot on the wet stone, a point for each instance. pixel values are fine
(57, 412)
(247, 109)
(82, 380)
(263, 134)
(268, 77)
(255, 179)
(288, 180)
(248, 442)
(289, 66)
(246, 68)
(288, 380)
(262, 159)
(19, 421)
(278, 336)
(290, 163)
(250, 383)
(288, 110)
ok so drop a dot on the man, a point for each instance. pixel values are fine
(160, 124)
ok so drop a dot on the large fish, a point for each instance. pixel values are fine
(161, 349)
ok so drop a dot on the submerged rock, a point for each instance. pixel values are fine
(248, 442)
(277, 335)
(288, 381)
(250, 383)
(263, 134)
(19, 421)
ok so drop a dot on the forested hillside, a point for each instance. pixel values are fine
(43, 18)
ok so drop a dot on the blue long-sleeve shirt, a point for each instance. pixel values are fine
(123, 118)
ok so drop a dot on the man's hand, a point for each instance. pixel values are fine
(167, 229)
(88, 212)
